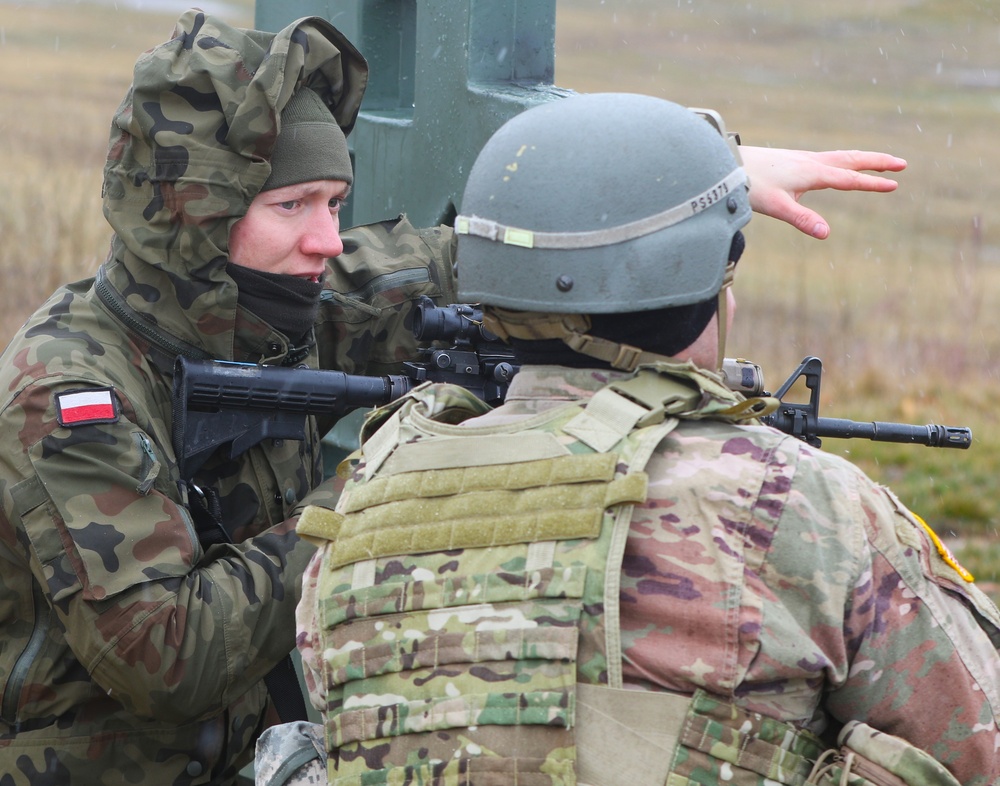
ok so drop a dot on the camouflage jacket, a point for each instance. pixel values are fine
(131, 653)
(758, 572)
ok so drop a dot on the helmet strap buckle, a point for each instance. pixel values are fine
(623, 357)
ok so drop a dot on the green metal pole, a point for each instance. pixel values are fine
(444, 75)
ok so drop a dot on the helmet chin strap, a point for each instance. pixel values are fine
(722, 312)
(571, 329)
(623, 357)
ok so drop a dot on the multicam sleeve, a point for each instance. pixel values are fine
(365, 324)
(921, 644)
(307, 634)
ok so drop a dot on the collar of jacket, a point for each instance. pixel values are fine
(182, 317)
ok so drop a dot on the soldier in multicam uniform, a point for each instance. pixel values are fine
(137, 631)
(620, 576)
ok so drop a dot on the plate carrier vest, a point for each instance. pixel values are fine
(469, 604)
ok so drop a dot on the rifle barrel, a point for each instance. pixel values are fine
(931, 435)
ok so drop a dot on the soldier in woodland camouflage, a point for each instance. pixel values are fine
(620, 576)
(133, 653)
(141, 615)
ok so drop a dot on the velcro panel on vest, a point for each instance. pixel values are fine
(719, 739)
(421, 512)
(317, 524)
(514, 476)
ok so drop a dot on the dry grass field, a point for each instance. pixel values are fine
(66, 67)
(899, 302)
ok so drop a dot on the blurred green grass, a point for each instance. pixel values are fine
(899, 302)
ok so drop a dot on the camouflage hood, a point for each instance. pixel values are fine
(189, 149)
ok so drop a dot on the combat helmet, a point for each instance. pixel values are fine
(599, 203)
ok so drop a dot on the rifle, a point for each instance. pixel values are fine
(803, 420)
(218, 403)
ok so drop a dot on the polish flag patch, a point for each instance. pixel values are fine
(82, 407)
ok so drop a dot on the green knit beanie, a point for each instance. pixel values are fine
(310, 145)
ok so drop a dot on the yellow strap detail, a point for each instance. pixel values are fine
(944, 551)
(756, 407)
(513, 236)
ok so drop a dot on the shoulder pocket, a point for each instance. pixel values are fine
(112, 528)
(944, 570)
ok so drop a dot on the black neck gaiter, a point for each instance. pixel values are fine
(287, 303)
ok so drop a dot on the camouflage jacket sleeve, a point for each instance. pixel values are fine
(921, 643)
(169, 631)
(365, 321)
(781, 576)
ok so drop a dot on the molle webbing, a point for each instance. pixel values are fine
(454, 655)
(718, 737)
(418, 512)
(643, 738)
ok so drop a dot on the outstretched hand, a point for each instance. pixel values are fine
(779, 178)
